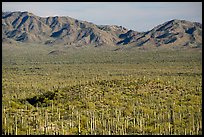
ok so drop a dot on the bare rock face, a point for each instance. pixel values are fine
(27, 27)
(171, 33)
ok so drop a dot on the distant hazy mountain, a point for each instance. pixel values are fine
(27, 27)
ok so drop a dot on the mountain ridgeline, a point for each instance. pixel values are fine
(27, 27)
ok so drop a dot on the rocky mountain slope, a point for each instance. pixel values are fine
(171, 33)
(27, 27)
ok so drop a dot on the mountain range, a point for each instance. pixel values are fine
(27, 27)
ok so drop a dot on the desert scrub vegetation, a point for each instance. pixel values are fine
(100, 91)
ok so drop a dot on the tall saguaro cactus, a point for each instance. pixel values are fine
(172, 118)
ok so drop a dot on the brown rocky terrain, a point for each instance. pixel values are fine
(27, 27)
(171, 33)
